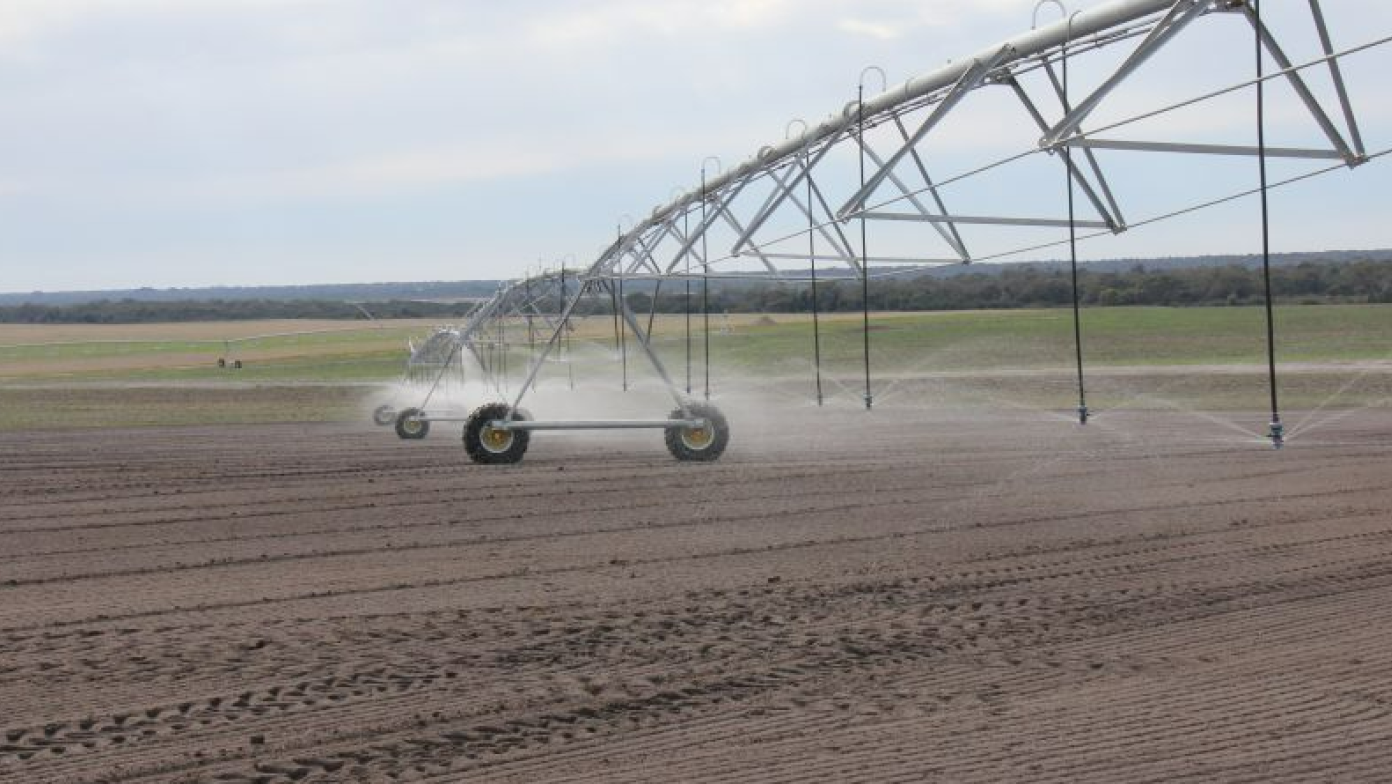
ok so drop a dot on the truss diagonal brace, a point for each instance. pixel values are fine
(737, 226)
(1113, 221)
(950, 233)
(945, 229)
(711, 217)
(1183, 12)
(646, 257)
(1089, 143)
(1301, 89)
(645, 343)
(1337, 74)
(971, 79)
(622, 247)
(546, 349)
(983, 220)
(1117, 218)
(776, 199)
(808, 212)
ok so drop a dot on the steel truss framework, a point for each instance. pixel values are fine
(791, 205)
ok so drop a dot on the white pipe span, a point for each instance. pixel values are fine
(1084, 23)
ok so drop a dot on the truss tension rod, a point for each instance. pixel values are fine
(1277, 432)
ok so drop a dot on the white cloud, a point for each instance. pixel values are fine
(26, 21)
(376, 175)
(620, 20)
(22, 21)
(881, 30)
(151, 110)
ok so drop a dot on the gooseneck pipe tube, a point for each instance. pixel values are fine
(864, 254)
(1277, 431)
(1073, 248)
(705, 284)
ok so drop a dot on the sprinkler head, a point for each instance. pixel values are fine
(1277, 434)
(1082, 414)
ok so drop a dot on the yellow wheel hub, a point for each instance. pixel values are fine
(698, 437)
(496, 439)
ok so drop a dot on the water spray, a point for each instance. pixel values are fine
(696, 430)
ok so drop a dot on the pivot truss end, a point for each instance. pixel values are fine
(1082, 414)
(869, 401)
(1277, 433)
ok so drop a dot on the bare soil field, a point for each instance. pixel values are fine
(905, 595)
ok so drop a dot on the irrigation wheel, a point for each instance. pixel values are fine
(494, 446)
(410, 426)
(702, 444)
(383, 415)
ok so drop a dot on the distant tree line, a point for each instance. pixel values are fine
(130, 311)
(1020, 287)
(1027, 287)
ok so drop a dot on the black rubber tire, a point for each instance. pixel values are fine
(701, 446)
(383, 415)
(236, 364)
(485, 446)
(410, 428)
(222, 363)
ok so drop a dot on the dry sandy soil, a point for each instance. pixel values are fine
(900, 596)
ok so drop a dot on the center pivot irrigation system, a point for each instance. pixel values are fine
(813, 197)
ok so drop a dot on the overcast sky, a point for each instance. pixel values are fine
(230, 142)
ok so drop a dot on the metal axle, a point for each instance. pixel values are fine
(612, 424)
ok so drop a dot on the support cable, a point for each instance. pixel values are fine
(1277, 431)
